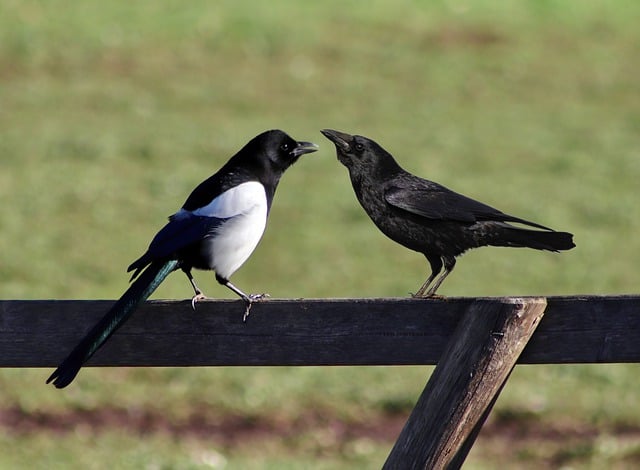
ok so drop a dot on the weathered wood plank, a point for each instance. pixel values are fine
(464, 386)
(40, 333)
(587, 329)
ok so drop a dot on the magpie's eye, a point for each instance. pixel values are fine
(285, 147)
(359, 147)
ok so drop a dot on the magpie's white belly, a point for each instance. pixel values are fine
(236, 239)
(240, 217)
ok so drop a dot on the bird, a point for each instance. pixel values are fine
(429, 218)
(216, 229)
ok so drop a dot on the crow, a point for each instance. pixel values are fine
(427, 217)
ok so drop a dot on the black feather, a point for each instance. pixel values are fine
(138, 292)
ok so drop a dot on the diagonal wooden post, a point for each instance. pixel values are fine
(466, 383)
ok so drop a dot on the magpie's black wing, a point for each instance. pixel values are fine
(434, 201)
(184, 228)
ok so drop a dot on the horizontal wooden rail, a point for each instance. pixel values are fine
(39, 333)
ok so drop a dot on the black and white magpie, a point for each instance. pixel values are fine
(427, 217)
(217, 229)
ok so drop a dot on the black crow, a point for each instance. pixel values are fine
(427, 217)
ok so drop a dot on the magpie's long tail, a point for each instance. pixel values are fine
(138, 292)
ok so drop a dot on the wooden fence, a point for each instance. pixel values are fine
(475, 343)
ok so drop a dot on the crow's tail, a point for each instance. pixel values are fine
(537, 239)
(138, 292)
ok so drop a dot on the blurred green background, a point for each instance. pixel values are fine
(111, 112)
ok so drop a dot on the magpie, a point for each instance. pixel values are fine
(427, 217)
(217, 229)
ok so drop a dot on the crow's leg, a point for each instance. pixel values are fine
(436, 267)
(449, 264)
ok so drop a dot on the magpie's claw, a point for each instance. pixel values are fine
(196, 298)
(251, 298)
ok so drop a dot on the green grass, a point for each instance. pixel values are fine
(111, 112)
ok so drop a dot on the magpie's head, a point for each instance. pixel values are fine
(359, 154)
(282, 151)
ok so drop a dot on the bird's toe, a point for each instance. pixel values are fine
(197, 298)
(258, 297)
(428, 296)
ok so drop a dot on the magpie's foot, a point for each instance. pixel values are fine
(258, 297)
(196, 298)
(251, 298)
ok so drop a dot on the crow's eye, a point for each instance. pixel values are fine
(285, 147)
(359, 147)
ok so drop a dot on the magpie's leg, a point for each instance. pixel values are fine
(198, 293)
(449, 264)
(248, 299)
(436, 267)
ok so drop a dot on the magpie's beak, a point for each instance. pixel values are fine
(340, 139)
(302, 148)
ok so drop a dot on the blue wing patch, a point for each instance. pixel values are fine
(183, 229)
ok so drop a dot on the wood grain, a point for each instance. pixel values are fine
(39, 333)
(466, 383)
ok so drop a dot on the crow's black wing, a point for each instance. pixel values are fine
(433, 201)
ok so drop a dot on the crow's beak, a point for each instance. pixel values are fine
(304, 147)
(340, 139)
